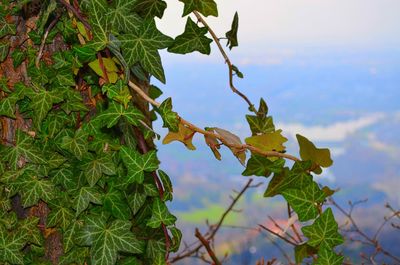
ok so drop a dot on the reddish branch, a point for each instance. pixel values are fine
(205, 243)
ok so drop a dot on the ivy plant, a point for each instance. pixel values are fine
(80, 179)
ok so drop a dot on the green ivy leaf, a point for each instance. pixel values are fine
(324, 231)
(6, 28)
(308, 151)
(98, 20)
(4, 48)
(150, 8)
(272, 141)
(206, 7)
(232, 34)
(28, 228)
(60, 216)
(70, 234)
(260, 125)
(288, 179)
(55, 123)
(107, 239)
(65, 178)
(114, 201)
(84, 53)
(303, 251)
(176, 238)
(305, 201)
(77, 255)
(118, 92)
(328, 257)
(160, 215)
(262, 166)
(122, 18)
(24, 146)
(136, 199)
(137, 164)
(142, 46)
(155, 248)
(18, 57)
(115, 112)
(7, 106)
(10, 246)
(193, 39)
(42, 102)
(170, 118)
(77, 145)
(236, 71)
(85, 196)
(95, 168)
(33, 189)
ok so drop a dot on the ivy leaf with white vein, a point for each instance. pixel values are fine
(122, 17)
(10, 246)
(107, 239)
(115, 203)
(85, 196)
(115, 112)
(77, 145)
(98, 20)
(305, 201)
(142, 46)
(328, 257)
(160, 215)
(33, 189)
(137, 164)
(150, 8)
(24, 146)
(97, 167)
(60, 216)
(193, 39)
(206, 7)
(42, 102)
(324, 231)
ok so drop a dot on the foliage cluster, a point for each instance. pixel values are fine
(80, 179)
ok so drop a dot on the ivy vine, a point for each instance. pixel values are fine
(80, 179)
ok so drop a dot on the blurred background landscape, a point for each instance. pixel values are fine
(329, 70)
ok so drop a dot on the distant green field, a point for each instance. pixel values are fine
(212, 213)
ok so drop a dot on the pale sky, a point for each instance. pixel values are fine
(275, 24)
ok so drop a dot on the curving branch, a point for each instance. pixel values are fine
(194, 128)
(227, 60)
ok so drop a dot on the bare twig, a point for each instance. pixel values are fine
(205, 243)
(213, 228)
(278, 235)
(227, 60)
(294, 229)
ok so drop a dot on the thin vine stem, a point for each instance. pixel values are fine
(195, 128)
(227, 60)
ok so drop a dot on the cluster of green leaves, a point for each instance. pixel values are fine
(81, 154)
